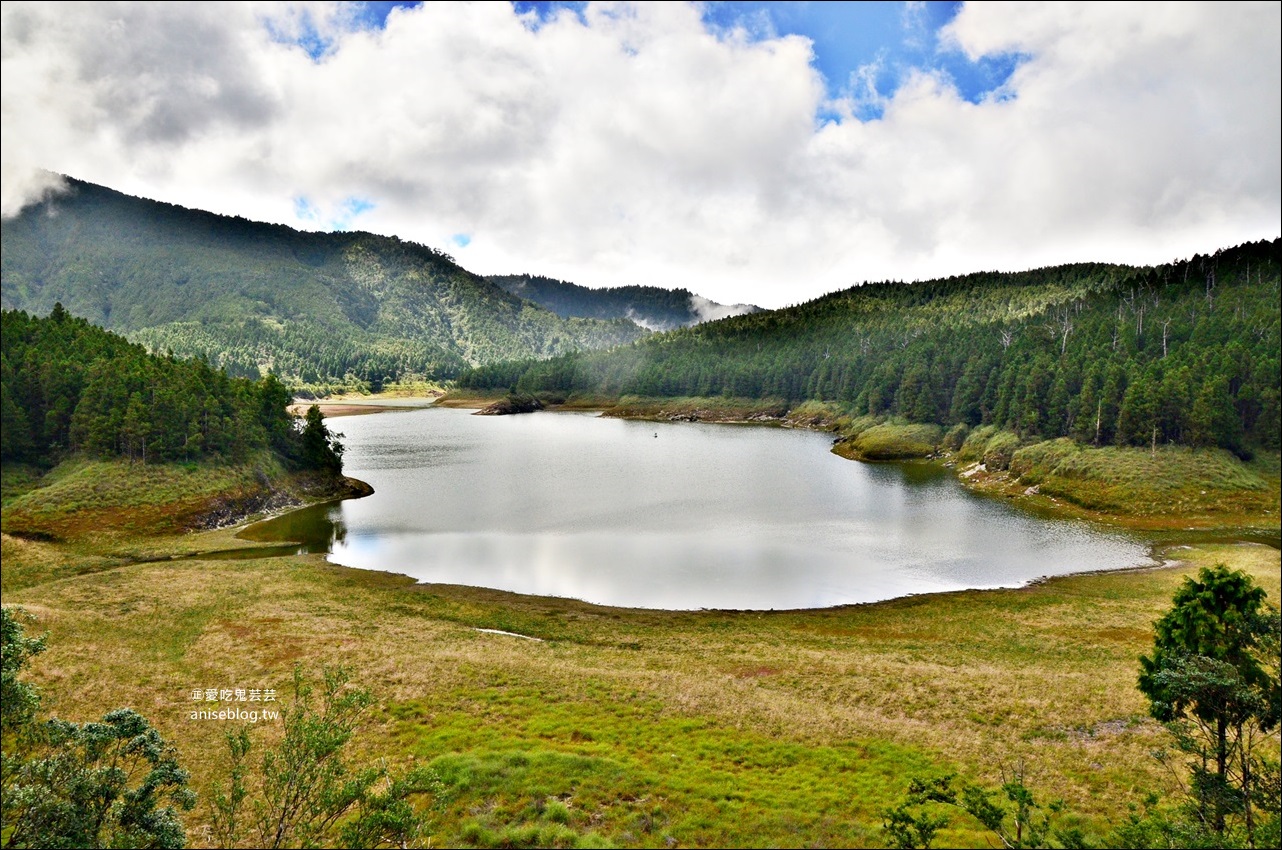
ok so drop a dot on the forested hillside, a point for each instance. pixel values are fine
(67, 386)
(1184, 353)
(649, 306)
(252, 297)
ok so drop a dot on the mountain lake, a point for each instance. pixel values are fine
(672, 515)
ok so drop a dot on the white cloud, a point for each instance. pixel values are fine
(632, 145)
(710, 311)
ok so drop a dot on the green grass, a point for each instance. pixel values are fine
(1135, 481)
(630, 727)
(892, 441)
(821, 416)
(626, 727)
(17, 480)
(976, 443)
(113, 485)
(624, 771)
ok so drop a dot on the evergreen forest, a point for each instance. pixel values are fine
(71, 387)
(346, 308)
(1184, 353)
(649, 306)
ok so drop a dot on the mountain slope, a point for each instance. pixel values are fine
(251, 296)
(1186, 353)
(650, 307)
(69, 386)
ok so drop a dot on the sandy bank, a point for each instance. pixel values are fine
(359, 406)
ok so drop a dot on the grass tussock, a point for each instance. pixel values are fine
(891, 441)
(1136, 481)
(823, 416)
(17, 480)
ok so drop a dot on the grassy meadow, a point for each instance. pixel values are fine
(614, 727)
(631, 727)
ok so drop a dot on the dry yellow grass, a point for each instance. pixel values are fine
(972, 681)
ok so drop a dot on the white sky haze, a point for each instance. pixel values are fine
(750, 152)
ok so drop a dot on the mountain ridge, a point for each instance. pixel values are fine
(254, 297)
(652, 307)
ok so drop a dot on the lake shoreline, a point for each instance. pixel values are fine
(360, 405)
(838, 552)
(846, 703)
(887, 689)
(976, 477)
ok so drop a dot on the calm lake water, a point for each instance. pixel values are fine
(671, 516)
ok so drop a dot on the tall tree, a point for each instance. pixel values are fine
(1211, 681)
(321, 450)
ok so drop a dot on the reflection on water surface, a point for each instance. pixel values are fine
(701, 516)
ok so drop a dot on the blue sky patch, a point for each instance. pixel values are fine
(304, 209)
(307, 37)
(373, 15)
(867, 50)
(344, 213)
(542, 11)
(348, 210)
(461, 240)
(356, 17)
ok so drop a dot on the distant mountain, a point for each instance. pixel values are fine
(251, 297)
(650, 307)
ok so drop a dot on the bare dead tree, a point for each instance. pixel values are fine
(1065, 328)
(1129, 300)
(1165, 329)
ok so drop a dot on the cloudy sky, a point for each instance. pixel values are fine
(748, 151)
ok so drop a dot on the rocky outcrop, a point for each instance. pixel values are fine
(511, 404)
(274, 497)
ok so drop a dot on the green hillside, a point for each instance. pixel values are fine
(1185, 353)
(69, 387)
(251, 297)
(649, 306)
